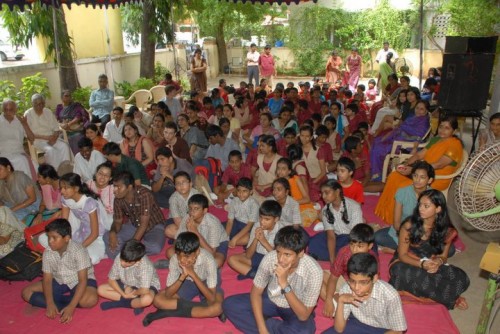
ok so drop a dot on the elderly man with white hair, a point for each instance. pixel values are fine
(45, 127)
(13, 129)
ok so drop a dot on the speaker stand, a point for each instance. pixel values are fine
(474, 114)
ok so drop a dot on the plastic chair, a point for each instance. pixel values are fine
(142, 97)
(158, 93)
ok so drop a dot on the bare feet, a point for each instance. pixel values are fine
(461, 303)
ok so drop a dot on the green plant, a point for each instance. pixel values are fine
(124, 88)
(35, 84)
(82, 96)
(143, 83)
(160, 72)
(7, 90)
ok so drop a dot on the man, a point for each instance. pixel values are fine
(121, 163)
(87, 160)
(172, 102)
(135, 215)
(13, 130)
(102, 100)
(253, 64)
(45, 127)
(382, 54)
(267, 66)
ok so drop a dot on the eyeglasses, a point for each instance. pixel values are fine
(103, 174)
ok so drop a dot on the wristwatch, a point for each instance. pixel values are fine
(286, 290)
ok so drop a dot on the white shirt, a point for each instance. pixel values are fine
(382, 55)
(11, 136)
(42, 125)
(114, 133)
(253, 58)
(86, 168)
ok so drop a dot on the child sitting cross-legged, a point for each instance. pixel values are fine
(68, 276)
(367, 304)
(352, 189)
(233, 173)
(132, 281)
(361, 240)
(242, 214)
(193, 272)
(261, 241)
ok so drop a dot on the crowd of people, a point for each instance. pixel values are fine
(291, 158)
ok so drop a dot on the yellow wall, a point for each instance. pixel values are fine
(87, 27)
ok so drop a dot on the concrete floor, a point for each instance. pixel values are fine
(468, 260)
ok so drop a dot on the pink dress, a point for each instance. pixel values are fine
(354, 64)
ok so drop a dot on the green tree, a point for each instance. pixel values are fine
(38, 21)
(474, 18)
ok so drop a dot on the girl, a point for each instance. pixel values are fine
(340, 215)
(264, 128)
(217, 100)
(285, 121)
(155, 132)
(80, 207)
(92, 133)
(298, 190)
(51, 193)
(138, 147)
(235, 126)
(264, 168)
(242, 111)
(290, 212)
(102, 186)
(334, 138)
(216, 117)
(314, 159)
(419, 266)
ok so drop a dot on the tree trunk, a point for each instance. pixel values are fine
(68, 77)
(221, 46)
(148, 41)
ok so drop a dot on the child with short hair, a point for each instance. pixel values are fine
(242, 214)
(372, 92)
(260, 242)
(289, 138)
(207, 227)
(353, 189)
(68, 276)
(354, 150)
(366, 303)
(132, 280)
(236, 170)
(361, 240)
(193, 272)
(123, 163)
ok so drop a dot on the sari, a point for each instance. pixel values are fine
(385, 70)
(412, 129)
(65, 114)
(437, 147)
(333, 69)
(354, 64)
(308, 214)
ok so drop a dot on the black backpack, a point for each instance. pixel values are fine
(22, 264)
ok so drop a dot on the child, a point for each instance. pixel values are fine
(289, 138)
(48, 179)
(235, 171)
(322, 134)
(193, 272)
(372, 92)
(354, 151)
(334, 138)
(276, 103)
(66, 269)
(303, 113)
(220, 146)
(87, 160)
(280, 299)
(340, 215)
(367, 304)
(216, 116)
(361, 240)
(207, 227)
(102, 185)
(353, 189)
(122, 163)
(353, 115)
(242, 214)
(290, 212)
(178, 202)
(208, 107)
(261, 241)
(132, 280)
(114, 128)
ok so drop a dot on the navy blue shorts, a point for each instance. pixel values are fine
(222, 248)
(237, 227)
(256, 260)
(122, 286)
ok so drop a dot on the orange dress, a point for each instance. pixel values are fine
(308, 214)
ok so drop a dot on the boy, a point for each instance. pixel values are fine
(293, 283)
(361, 240)
(289, 138)
(114, 128)
(87, 160)
(322, 134)
(206, 226)
(220, 146)
(235, 171)
(132, 280)
(66, 269)
(260, 242)
(123, 163)
(173, 103)
(354, 151)
(367, 304)
(242, 214)
(193, 272)
(353, 189)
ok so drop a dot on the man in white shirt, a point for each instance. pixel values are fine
(253, 64)
(382, 54)
(87, 160)
(113, 131)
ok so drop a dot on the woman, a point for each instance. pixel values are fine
(395, 109)
(314, 159)
(199, 72)
(71, 116)
(11, 231)
(102, 185)
(285, 121)
(385, 70)
(138, 147)
(412, 97)
(92, 133)
(51, 194)
(333, 68)
(389, 94)
(18, 191)
(411, 130)
(264, 128)
(491, 135)
(194, 137)
(443, 152)
(155, 132)
(264, 168)
(353, 66)
(420, 264)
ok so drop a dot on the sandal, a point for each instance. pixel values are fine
(461, 303)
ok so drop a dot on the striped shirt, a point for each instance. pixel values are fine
(353, 212)
(140, 275)
(247, 211)
(210, 229)
(205, 267)
(178, 205)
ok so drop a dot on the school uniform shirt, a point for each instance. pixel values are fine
(141, 275)
(247, 211)
(87, 168)
(205, 267)
(210, 229)
(305, 281)
(339, 267)
(64, 268)
(382, 310)
(230, 177)
(354, 214)
(268, 234)
(290, 212)
(113, 132)
(178, 205)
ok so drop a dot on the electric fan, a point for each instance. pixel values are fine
(403, 66)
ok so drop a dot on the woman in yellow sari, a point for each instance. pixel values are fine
(443, 152)
(298, 190)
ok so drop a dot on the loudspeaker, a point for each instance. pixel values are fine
(455, 44)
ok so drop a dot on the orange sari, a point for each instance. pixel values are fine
(308, 214)
(450, 147)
